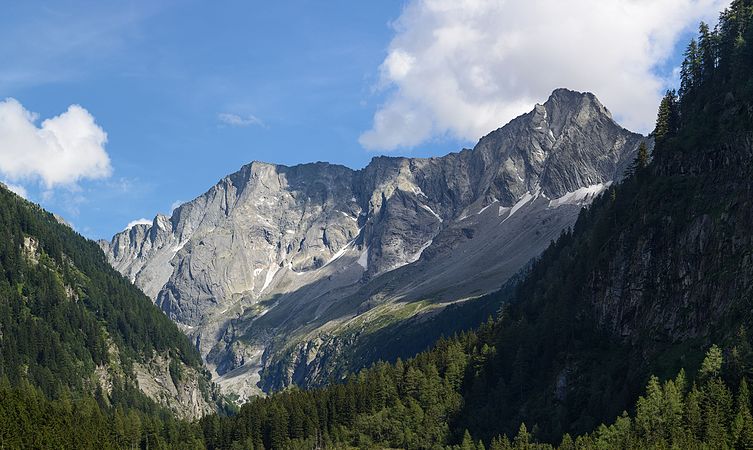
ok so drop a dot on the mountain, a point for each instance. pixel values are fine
(70, 325)
(655, 272)
(279, 274)
(655, 276)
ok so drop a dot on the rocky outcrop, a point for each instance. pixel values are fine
(175, 386)
(273, 263)
(684, 263)
(182, 389)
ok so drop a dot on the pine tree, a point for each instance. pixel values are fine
(640, 162)
(673, 412)
(717, 405)
(649, 415)
(690, 71)
(133, 429)
(567, 443)
(501, 443)
(737, 364)
(667, 120)
(693, 418)
(742, 425)
(467, 443)
(712, 363)
(731, 25)
(707, 51)
(523, 439)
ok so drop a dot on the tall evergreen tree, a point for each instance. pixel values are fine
(690, 71)
(707, 52)
(712, 363)
(742, 425)
(667, 120)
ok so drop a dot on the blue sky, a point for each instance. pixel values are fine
(189, 91)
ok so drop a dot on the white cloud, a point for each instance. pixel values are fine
(133, 223)
(237, 121)
(175, 205)
(18, 190)
(465, 67)
(62, 151)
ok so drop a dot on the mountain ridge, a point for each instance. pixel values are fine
(306, 250)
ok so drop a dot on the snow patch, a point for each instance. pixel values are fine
(521, 203)
(363, 260)
(420, 251)
(439, 218)
(580, 196)
(271, 272)
(338, 254)
(480, 211)
(348, 215)
(486, 207)
(417, 190)
(180, 245)
(342, 250)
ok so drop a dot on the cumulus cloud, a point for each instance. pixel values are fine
(462, 68)
(60, 152)
(133, 223)
(235, 120)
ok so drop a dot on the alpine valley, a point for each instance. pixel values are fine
(291, 275)
(566, 284)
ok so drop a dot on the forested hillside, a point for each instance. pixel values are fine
(63, 306)
(75, 335)
(655, 277)
(411, 405)
(654, 272)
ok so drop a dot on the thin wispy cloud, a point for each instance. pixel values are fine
(235, 120)
(175, 205)
(61, 45)
(133, 223)
(462, 68)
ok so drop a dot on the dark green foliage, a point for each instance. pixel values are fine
(63, 308)
(549, 361)
(690, 71)
(667, 121)
(29, 419)
(554, 363)
(638, 167)
(716, 90)
(410, 405)
(405, 405)
(64, 312)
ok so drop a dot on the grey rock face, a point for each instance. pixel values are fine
(274, 260)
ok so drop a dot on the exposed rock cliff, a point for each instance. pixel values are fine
(283, 267)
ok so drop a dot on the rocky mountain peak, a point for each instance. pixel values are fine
(273, 255)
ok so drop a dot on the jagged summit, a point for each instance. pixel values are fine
(284, 261)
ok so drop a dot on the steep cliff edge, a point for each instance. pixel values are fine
(276, 270)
